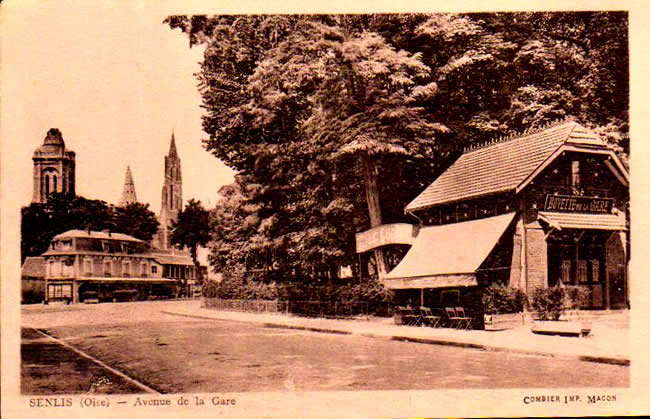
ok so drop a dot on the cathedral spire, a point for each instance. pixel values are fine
(172, 147)
(128, 193)
(172, 195)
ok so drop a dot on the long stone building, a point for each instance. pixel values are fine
(107, 266)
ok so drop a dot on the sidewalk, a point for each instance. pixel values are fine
(607, 343)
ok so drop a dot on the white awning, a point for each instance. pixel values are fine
(448, 255)
(560, 220)
(436, 281)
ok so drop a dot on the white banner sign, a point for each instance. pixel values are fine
(385, 234)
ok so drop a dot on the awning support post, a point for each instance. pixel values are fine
(607, 283)
(421, 297)
(577, 240)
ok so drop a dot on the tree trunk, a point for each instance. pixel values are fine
(374, 208)
(197, 265)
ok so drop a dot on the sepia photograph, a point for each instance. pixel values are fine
(323, 213)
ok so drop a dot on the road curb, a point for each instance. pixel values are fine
(428, 341)
(308, 328)
(198, 316)
(605, 360)
(443, 342)
(120, 374)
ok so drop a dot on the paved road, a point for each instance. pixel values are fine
(174, 354)
(74, 373)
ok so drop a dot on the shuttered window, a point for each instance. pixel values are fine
(582, 271)
(566, 271)
(88, 266)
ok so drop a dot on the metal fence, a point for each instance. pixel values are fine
(256, 306)
(327, 309)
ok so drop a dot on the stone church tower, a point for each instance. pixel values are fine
(54, 167)
(172, 195)
(128, 192)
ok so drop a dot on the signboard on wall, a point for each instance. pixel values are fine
(584, 204)
(398, 233)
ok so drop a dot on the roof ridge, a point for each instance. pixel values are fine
(514, 135)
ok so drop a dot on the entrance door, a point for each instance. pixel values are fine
(582, 265)
(59, 292)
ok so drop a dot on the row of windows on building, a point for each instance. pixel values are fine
(106, 246)
(178, 272)
(128, 269)
(108, 268)
(581, 270)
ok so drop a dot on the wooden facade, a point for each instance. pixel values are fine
(569, 192)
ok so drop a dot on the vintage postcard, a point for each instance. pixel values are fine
(225, 209)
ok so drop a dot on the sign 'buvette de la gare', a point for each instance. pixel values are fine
(585, 204)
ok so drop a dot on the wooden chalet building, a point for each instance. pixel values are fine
(535, 210)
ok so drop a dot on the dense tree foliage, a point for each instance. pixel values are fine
(63, 212)
(136, 220)
(334, 123)
(191, 229)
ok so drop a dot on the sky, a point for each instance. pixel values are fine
(116, 82)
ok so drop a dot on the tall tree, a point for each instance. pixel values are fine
(335, 122)
(358, 100)
(313, 76)
(136, 220)
(63, 212)
(191, 229)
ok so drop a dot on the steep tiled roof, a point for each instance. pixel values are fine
(34, 267)
(500, 167)
(95, 235)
